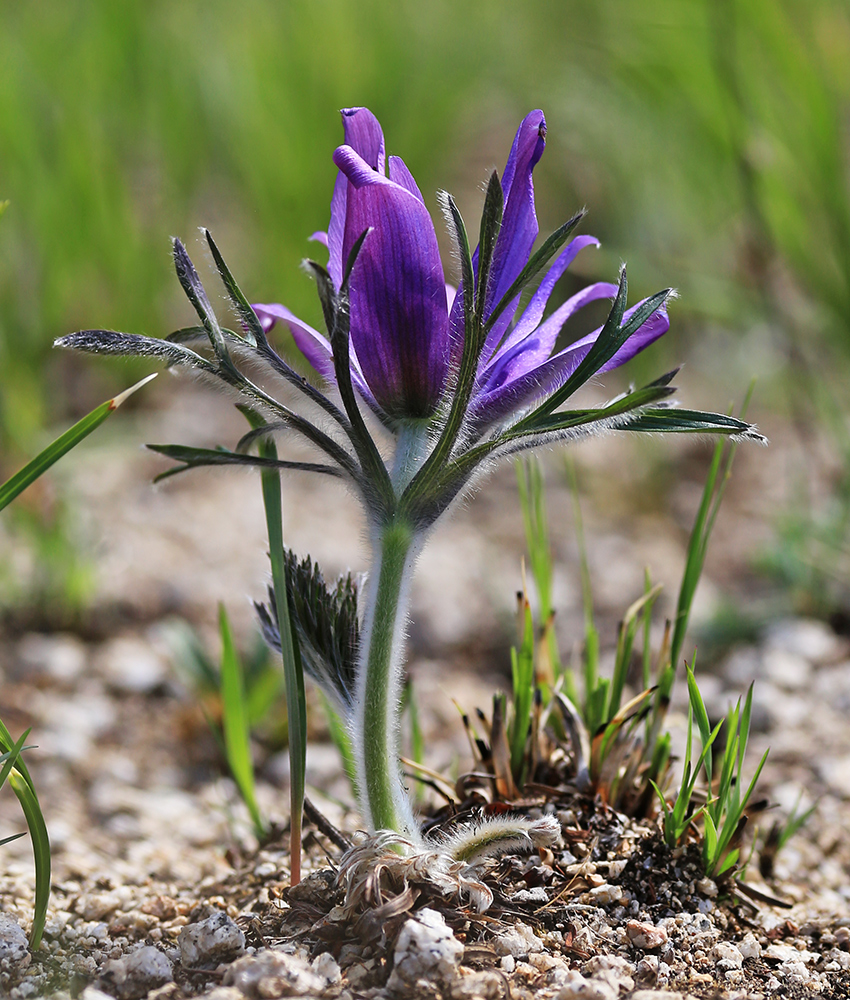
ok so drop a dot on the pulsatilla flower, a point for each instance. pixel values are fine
(457, 379)
(406, 334)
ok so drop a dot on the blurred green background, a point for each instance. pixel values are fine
(708, 138)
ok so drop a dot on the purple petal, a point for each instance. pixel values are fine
(398, 295)
(319, 237)
(399, 174)
(518, 387)
(363, 133)
(519, 222)
(315, 348)
(536, 348)
(533, 312)
(517, 234)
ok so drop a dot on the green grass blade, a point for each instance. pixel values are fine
(64, 443)
(40, 850)
(10, 758)
(709, 843)
(532, 496)
(591, 634)
(701, 716)
(22, 785)
(237, 735)
(522, 671)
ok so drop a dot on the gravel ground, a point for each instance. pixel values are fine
(160, 888)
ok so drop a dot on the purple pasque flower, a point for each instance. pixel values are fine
(399, 314)
(405, 342)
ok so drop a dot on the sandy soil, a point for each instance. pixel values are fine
(154, 851)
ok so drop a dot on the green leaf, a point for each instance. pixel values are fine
(193, 458)
(134, 345)
(491, 221)
(565, 419)
(196, 294)
(252, 326)
(327, 293)
(611, 338)
(676, 421)
(63, 444)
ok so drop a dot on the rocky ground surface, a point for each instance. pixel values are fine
(160, 887)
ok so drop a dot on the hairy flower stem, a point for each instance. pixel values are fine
(412, 446)
(376, 724)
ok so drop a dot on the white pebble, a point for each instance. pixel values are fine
(13, 942)
(210, 941)
(426, 950)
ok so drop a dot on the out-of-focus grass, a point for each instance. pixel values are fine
(708, 138)
(121, 124)
(705, 135)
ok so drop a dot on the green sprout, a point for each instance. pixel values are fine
(14, 770)
(723, 815)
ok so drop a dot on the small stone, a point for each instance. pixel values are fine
(521, 940)
(657, 995)
(707, 887)
(97, 906)
(749, 947)
(788, 670)
(13, 943)
(427, 950)
(612, 969)
(131, 666)
(813, 640)
(214, 940)
(842, 937)
(272, 974)
(604, 894)
(135, 975)
(578, 988)
(61, 657)
(788, 954)
(646, 936)
(726, 956)
(326, 966)
(485, 985)
(646, 971)
(93, 993)
(544, 963)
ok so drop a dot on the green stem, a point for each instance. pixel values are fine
(376, 724)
